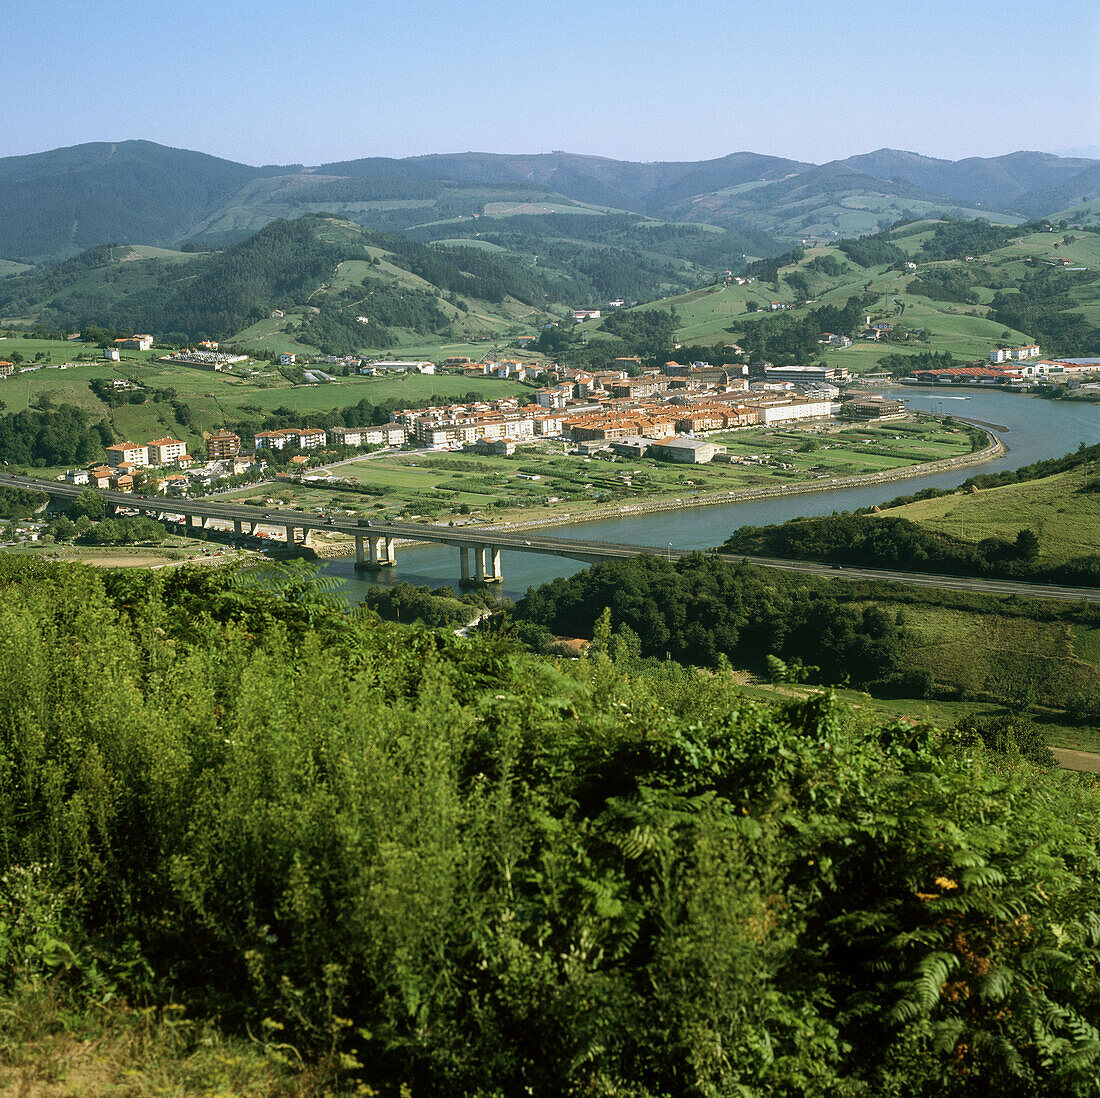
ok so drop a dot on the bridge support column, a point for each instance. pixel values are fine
(464, 562)
(378, 553)
(290, 535)
(479, 563)
(391, 557)
(495, 574)
(360, 555)
(238, 527)
(307, 537)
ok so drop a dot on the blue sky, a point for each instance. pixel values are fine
(282, 82)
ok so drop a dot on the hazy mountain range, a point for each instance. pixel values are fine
(57, 203)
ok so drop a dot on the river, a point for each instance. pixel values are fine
(1037, 429)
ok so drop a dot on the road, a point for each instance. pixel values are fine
(531, 541)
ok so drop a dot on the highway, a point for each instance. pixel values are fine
(530, 541)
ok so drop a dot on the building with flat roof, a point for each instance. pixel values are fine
(222, 444)
(688, 451)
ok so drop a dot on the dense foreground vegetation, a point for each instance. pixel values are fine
(454, 867)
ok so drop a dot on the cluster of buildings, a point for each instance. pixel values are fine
(1021, 374)
(1014, 354)
(205, 357)
(124, 459)
(655, 407)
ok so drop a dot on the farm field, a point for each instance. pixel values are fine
(1065, 518)
(541, 482)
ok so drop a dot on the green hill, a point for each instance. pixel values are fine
(951, 286)
(325, 272)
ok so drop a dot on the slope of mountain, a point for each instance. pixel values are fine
(57, 203)
(946, 287)
(999, 182)
(640, 187)
(60, 202)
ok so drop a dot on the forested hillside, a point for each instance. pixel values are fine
(420, 864)
(55, 204)
(286, 265)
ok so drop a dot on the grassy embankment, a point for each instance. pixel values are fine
(1065, 517)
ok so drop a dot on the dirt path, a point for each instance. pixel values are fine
(1086, 761)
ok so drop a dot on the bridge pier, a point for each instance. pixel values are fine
(486, 565)
(238, 527)
(290, 535)
(379, 552)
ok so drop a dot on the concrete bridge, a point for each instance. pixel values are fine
(478, 550)
(374, 542)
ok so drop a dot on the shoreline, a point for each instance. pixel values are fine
(991, 452)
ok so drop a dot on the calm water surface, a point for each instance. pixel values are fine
(1036, 429)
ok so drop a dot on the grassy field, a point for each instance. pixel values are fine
(439, 486)
(214, 398)
(1066, 519)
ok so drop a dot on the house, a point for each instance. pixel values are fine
(111, 354)
(134, 342)
(222, 444)
(309, 438)
(274, 440)
(208, 344)
(127, 452)
(495, 447)
(166, 451)
(100, 476)
(287, 359)
(121, 482)
(6, 368)
(77, 476)
(277, 314)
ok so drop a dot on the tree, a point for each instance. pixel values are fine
(90, 504)
(1027, 545)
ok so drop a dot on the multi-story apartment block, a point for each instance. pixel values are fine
(221, 445)
(127, 452)
(166, 451)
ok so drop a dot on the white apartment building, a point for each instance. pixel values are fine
(166, 451)
(123, 452)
